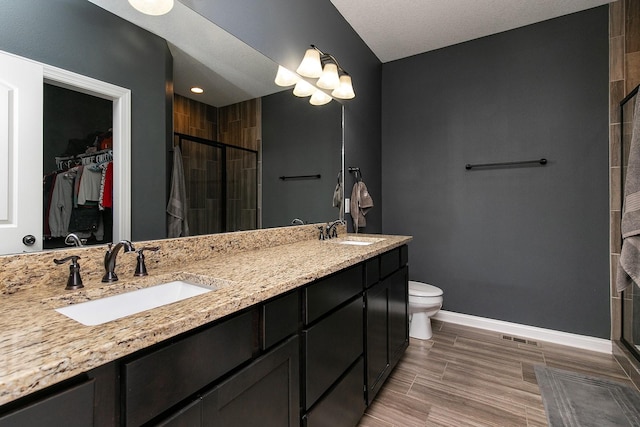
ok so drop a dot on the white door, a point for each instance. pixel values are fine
(21, 98)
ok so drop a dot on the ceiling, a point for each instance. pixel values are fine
(395, 29)
(230, 71)
(204, 55)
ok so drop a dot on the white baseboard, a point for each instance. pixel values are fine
(564, 338)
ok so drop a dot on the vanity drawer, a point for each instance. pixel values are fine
(327, 294)
(159, 380)
(71, 407)
(372, 271)
(389, 262)
(331, 346)
(279, 319)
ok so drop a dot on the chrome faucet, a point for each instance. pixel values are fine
(332, 230)
(73, 240)
(110, 259)
(297, 221)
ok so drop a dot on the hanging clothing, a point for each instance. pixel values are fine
(89, 187)
(177, 225)
(360, 204)
(61, 204)
(106, 189)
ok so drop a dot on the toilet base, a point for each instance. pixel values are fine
(420, 326)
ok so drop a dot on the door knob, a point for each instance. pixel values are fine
(29, 239)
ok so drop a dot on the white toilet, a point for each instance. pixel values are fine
(424, 302)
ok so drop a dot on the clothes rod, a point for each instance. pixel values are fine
(524, 162)
(284, 178)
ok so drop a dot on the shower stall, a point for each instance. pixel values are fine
(221, 183)
(630, 296)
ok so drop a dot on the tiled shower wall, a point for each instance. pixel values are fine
(239, 125)
(624, 75)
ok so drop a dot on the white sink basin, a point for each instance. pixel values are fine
(356, 240)
(106, 309)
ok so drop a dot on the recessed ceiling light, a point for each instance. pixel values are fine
(152, 7)
(197, 89)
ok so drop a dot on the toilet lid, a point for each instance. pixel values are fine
(423, 289)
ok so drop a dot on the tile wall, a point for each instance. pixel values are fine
(624, 75)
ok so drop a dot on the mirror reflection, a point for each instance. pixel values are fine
(277, 133)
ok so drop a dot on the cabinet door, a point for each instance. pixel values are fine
(189, 416)
(377, 328)
(344, 405)
(266, 393)
(68, 408)
(398, 285)
(157, 381)
(331, 346)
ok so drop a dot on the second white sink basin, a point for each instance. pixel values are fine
(356, 240)
(106, 309)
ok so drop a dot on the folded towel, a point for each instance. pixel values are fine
(361, 202)
(629, 267)
(177, 225)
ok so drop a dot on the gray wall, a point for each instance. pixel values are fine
(299, 139)
(282, 30)
(81, 37)
(528, 244)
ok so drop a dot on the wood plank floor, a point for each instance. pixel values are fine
(472, 377)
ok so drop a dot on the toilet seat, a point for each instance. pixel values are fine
(423, 289)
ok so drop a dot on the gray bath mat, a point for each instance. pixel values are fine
(576, 400)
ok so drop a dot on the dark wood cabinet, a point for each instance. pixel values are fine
(72, 407)
(265, 394)
(398, 285)
(331, 346)
(386, 321)
(315, 356)
(157, 381)
(344, 405)
(333, 350)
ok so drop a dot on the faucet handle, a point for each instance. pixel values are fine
(141, 268)
(74, 281)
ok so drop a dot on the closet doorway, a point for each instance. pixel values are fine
(21, 149)
(77, 167)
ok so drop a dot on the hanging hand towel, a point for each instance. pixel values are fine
(361, 202)
(176, 209)
(629, 267)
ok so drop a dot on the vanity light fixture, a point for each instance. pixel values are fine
(324, 67)
(197, 90)
(152, 7)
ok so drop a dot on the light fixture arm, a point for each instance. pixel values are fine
(326, 57)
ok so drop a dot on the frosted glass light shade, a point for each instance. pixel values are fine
(345, 89)
(303, 88)
(310, 65)
(152, 7)
(329, 78)
(285, 77)
(319, 98)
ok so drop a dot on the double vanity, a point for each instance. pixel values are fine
(282, 329)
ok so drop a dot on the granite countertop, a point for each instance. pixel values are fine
(40, 347)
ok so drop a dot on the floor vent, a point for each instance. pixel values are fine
(519, 340)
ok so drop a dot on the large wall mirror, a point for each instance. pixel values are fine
(299, 156)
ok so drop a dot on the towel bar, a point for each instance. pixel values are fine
(524, 162)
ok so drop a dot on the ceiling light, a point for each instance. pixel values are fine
(324, 67)
(319, 98)
(329, 78)
(345, 89)
(310, 66)
(196, 89)
(152, 7)
(303, 88)
(285, 77)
